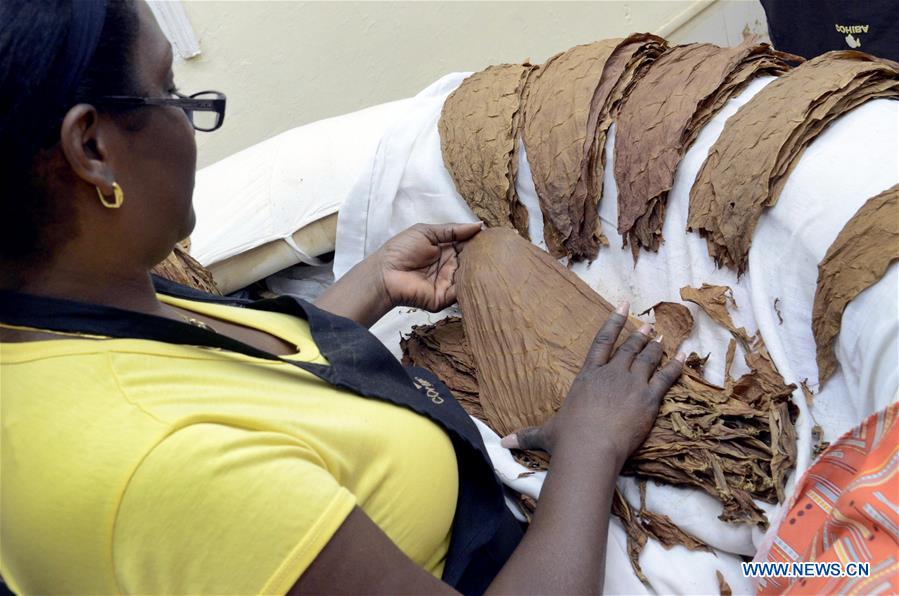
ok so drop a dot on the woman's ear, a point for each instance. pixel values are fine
(85, 147)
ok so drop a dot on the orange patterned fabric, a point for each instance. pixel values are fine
(846, 510)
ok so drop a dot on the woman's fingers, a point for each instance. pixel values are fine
(666, 376)
(647, 361)
(451, 232)
(632, 346)
(608, 334)
(532, 437)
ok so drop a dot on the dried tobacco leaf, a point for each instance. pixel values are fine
(529, 323)
(665, 531)
(723, 586)
(673, 323)
(857, 259)
(569, 107)
(479, 127)
(182, 268)
(679, 93)
(443, 349)
(714, 301)
(748, 165)
(636, 535)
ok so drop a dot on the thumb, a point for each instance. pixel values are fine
(532, 437)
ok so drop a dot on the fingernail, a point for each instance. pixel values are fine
(658, 339)
(645, 329)
(681, 357)
(509, 441)
(622, 309)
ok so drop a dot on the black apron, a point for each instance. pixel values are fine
(812, 27)
(484, 532)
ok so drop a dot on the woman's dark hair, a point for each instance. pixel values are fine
(33, 37)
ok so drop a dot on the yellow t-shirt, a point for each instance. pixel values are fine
(144, 467)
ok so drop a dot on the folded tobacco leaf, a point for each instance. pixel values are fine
(857, 259)
(723, 586)
(182, 268)
(554, 130)
(571, 101)
(714, 300)
(529, 323)
(673, 323)
(748, 165)
(479, 139)
(627, 63)
(668, 106)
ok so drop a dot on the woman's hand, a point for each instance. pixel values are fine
(614, 400)
(418, 265)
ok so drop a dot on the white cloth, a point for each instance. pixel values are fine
(274, 188)
(857, 157)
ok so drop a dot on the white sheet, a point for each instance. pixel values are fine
(857, 157)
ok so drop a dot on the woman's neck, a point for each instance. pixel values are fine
(130, 290)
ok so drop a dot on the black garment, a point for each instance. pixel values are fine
(811, 27)
(484, 532)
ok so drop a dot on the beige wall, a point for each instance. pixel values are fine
(286, 63)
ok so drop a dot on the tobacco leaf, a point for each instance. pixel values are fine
(182, 268)
(528, 506)
(723, 586)
(479, 127)
(668, 106)
(714, 301)
(529, 323)
(443, 349)
(568, 109)
(636, 534)
(673, 323)
(748, 165)
(665, 531)
(857, 259)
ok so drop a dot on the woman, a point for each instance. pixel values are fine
(160, 440)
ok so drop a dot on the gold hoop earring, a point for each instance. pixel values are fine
(118, 197)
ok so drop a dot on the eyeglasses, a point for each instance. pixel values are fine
(205, 110)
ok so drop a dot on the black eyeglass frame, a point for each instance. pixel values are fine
(188, 103)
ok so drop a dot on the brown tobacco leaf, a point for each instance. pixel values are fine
(182, 268)
(479, 127)
(569, 107)
(529, 323)
(748, 165)
(696, 363)
(676, 97)
(664, 530)
(443, 349)
(643, 524)
(673, 323)
(807, 392)
(636, 534)
(857, 259)
(723, 586)
(714, 301)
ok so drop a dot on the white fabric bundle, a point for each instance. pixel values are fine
(274, 188)
(857, 157)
